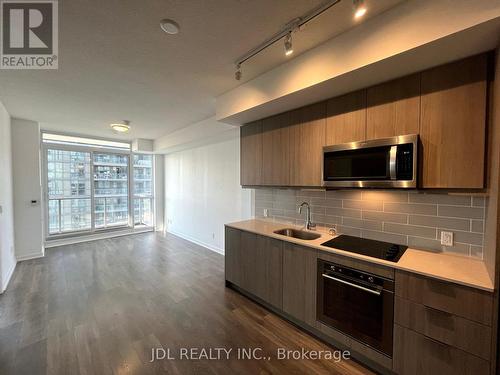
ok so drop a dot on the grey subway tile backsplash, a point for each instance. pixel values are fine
(385, 217)
(465, 212)
(414, 218)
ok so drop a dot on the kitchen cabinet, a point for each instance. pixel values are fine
(276, 150)
(299, 282)
(445, 105)
(346, 118)
(307, 138)
(441, 327)
(453, 124)
(232, 256)
(251, 154)
(393, 108)
(416, 354)
(254, 263)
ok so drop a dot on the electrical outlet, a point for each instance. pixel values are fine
(446, 238)
(266, 212)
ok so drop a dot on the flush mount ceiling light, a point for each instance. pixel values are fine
(288, 44)
(169, 26)
(359, 8)
(286, 32)
(123, 127)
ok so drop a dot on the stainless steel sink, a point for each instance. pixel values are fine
(296, 233)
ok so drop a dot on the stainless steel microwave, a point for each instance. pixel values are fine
(379, 163)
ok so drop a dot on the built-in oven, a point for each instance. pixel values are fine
(378, 163)
(359, 304)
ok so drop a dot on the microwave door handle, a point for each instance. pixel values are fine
(376, 292)
(392, 162)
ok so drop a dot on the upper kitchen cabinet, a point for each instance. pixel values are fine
(346, 118)
(251, 153)
(276, 150)
(453, 124)
(393, 108)
(307, 138)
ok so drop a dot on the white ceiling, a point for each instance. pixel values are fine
(115, 62)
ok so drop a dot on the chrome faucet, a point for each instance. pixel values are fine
(309, 224)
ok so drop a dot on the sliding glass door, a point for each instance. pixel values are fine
(69, 191)
(91, 190)
(143, 190)
(110, 190)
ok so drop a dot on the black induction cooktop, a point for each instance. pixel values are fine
(377, 249)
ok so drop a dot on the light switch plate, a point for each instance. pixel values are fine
(446, 238)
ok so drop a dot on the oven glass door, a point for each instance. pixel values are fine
(358, 313)
(357, 165)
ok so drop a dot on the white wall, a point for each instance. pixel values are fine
(28, 218)
(7, 249)
(203, 192)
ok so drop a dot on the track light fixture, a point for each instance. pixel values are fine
(292, 26)
(237, 74)
(359, 8)
(288, 44)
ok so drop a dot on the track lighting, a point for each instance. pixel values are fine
(288, 44)
(359, 8)
(286, 33)
(237, 74)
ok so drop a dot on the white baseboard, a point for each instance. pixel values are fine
(5, 282)
(33, 255)
(196, 241)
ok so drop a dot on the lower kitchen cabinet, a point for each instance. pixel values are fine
(416, 354)
(299, 282)
(254, 263)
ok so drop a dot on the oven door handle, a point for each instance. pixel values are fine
(376, 292)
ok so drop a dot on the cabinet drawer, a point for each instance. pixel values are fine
(450, 329)
(416, 354)
(469, 303)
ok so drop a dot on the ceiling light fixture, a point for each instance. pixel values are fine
(290, 27)
(169, 26)
(123, 127)
(359, 8)
(288, 44)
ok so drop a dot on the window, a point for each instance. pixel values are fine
(110, 190)
(68, 190)
(92, 186)
(143, 190)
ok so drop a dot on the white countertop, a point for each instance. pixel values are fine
(444, 266)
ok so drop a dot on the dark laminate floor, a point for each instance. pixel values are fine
(99, 308)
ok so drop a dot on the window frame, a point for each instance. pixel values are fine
(45, 146)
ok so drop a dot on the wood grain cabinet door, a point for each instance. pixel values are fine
(276, 150)
(307, 138)
(299, 282)
(251, 154)
(232, 255)
(453, 124)
(346, 118)
(268, 271)
(393, 108)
